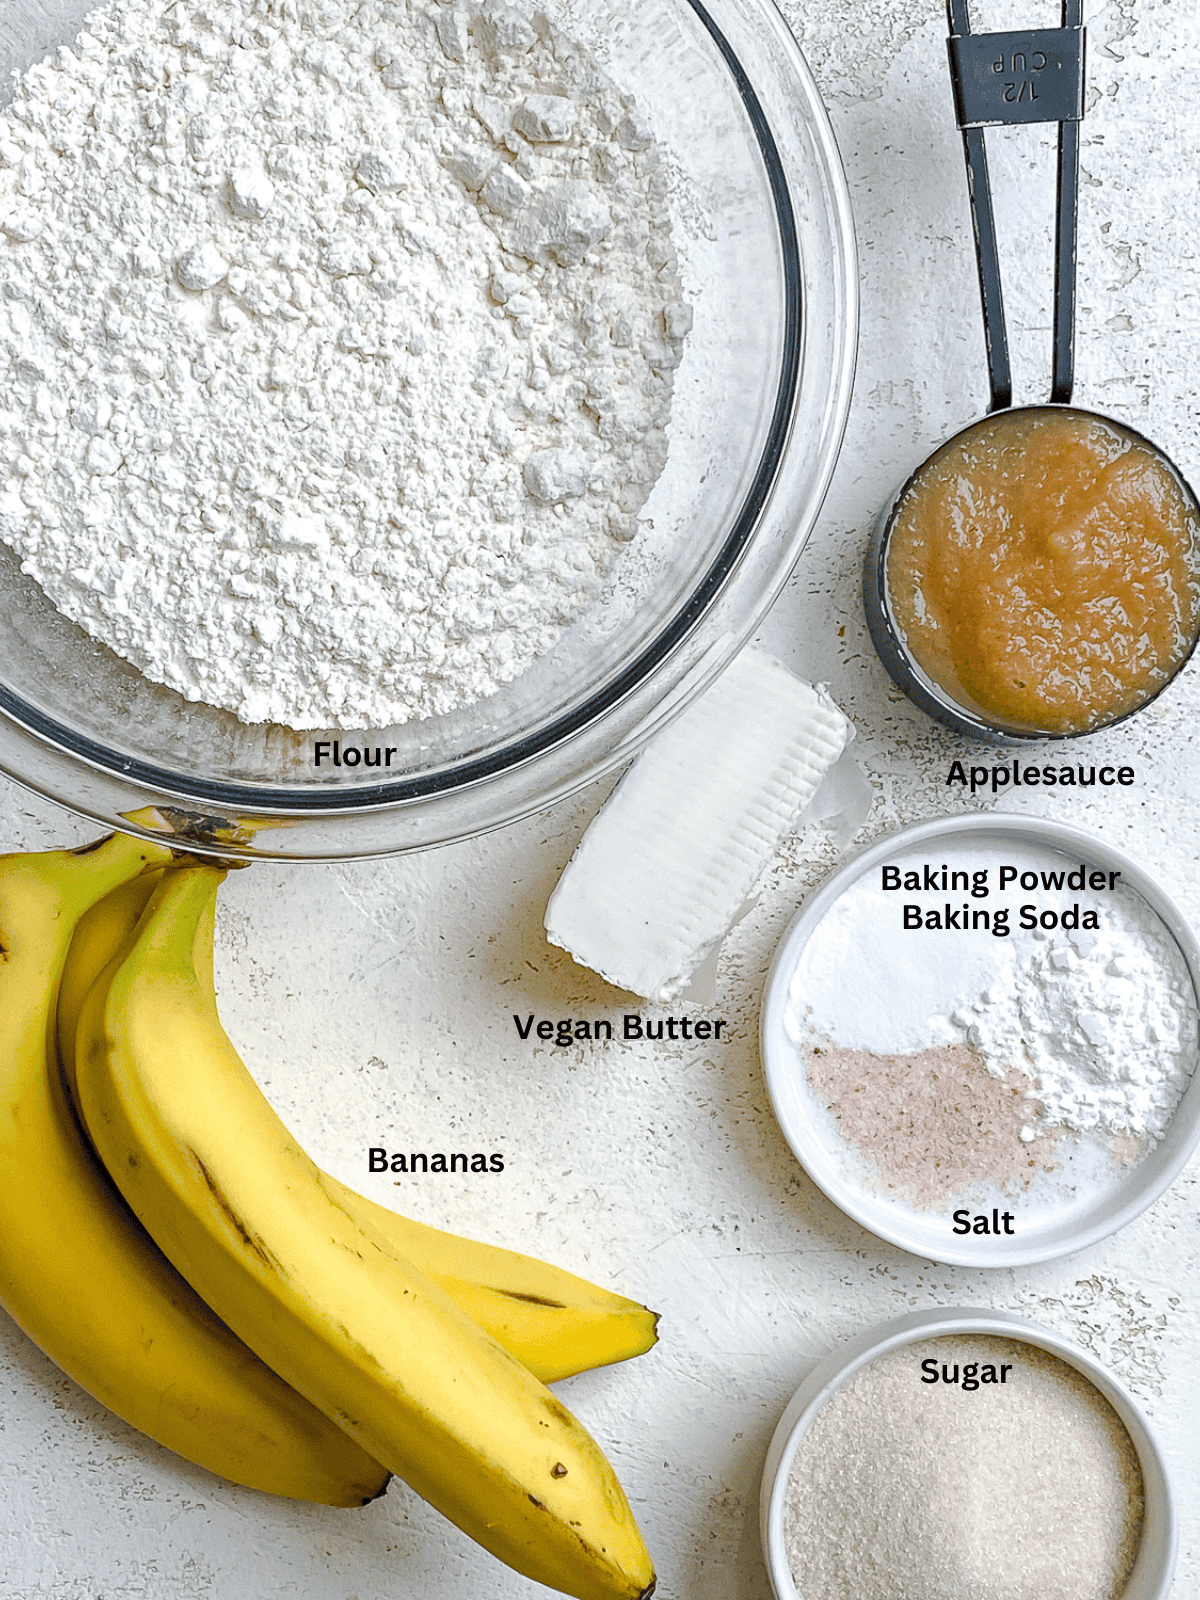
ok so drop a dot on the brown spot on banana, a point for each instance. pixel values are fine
(532, 1299)
(558, 1470)
(243, 1233)
(558, 1411)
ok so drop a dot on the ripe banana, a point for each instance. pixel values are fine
(77, 1271)
(553, 1322)
(255, 1227)
(98, 936)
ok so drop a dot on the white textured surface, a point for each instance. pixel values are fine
(376, 1001)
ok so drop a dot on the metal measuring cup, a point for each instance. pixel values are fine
(1003, 79)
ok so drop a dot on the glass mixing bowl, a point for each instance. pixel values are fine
(763, 224)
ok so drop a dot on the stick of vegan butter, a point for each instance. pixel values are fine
(672, 856)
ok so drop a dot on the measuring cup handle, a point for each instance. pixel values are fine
(1001, 79)
(1066, 235)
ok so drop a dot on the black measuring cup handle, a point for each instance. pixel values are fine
(1002, 79)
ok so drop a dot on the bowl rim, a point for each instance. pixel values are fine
(515, 755)
(778, 1069)
(1154, 1565)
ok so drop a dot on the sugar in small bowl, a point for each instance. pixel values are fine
(955, 1454)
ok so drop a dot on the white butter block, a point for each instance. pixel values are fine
(678, 847)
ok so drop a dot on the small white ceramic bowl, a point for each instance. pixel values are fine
(1046, 1228)
(1155, 1564)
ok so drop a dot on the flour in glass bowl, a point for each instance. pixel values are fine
(337, 341)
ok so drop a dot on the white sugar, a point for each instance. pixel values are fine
(1021, 1489)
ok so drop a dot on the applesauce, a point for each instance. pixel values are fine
(1044, 569)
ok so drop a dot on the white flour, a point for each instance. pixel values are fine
(1103, 1021)
(336, 345)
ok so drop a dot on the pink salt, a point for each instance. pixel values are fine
(934, 1122)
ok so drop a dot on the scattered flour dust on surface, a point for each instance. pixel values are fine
(337, 341)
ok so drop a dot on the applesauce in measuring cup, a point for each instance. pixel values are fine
(1043, 567)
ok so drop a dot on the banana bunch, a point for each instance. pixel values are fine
(77, 1271)
(553, 1322)
(343, 1342)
